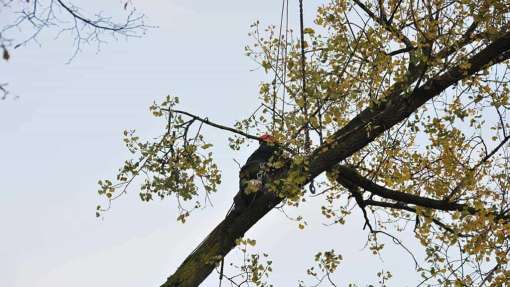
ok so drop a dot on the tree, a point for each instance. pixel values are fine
(403, 115)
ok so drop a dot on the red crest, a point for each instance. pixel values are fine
(266, 138)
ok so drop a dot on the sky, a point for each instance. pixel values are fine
(61, 131)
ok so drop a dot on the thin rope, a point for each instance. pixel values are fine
(285, 63)
(319, 107)
(221, 270)
(305, 98)
(303, 71)
(285, 8)
(277, 65)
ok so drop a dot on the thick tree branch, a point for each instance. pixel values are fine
(350, 182)
(350, 178)
(347, 175)
(202, 261)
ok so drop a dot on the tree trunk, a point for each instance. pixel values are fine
(201, 262)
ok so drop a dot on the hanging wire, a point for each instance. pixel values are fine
(277, 64)
(321, 136)
(303, 71)
(305, 98)
(221, 270)
(284, 12)
(285, 63)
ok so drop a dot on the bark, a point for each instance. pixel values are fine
(349, 177)
(202, 261)
(360, 131)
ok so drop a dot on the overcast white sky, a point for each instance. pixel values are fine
(64, 131)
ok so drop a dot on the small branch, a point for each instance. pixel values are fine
(482, 161)
(399, 242)
(114, 28)
(494, 151)
(384, 23)
(209, 123)
(401, 206)
(399, 51)
(362, 203)
(4, 91)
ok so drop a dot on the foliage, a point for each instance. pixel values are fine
(444, 169)
(173, 164)
(254, 269)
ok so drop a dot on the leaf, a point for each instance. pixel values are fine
(6, 54)
(308, 31)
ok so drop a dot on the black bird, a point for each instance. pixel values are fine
(251, 176)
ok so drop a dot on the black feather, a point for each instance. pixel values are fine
(250, 171)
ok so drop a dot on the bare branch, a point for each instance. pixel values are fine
(66, 18)
(212, 124)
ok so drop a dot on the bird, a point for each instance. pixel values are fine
(252, 174)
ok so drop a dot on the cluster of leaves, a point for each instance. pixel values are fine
(254, 269)
(327, 263)
(176, 163)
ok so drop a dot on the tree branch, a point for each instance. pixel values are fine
(209, 123)
(386, 24)
(96, 24)
(349, 176)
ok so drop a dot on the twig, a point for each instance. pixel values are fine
(212, 124)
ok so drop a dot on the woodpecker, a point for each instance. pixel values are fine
(251, 176)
